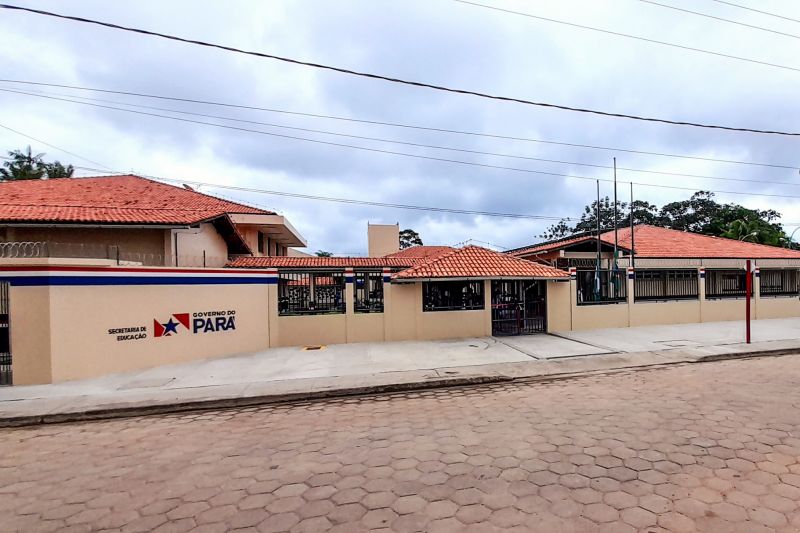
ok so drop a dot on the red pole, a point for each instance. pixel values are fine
(748, 293)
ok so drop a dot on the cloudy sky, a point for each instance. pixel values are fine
(437, 41)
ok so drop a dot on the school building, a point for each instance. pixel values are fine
(71, 316)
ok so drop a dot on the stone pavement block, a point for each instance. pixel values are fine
(693, 448)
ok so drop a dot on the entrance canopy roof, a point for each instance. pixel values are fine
(474, 262)
(470, 262)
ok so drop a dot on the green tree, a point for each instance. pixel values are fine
(56, 170)
(29, 166)
(701, 213)
(23, 166)
(323, 253)
(409, 238)
(643, 213)
(756, 230)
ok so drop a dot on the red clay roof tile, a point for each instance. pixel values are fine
(477, 262)
(421, 251)
(665, 243)
(112, 200)
(321, 262)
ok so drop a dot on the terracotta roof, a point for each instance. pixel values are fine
(421, 251)
(111, 200)
(320, 262)
(656, 242)
(550, 245)
(477, 262)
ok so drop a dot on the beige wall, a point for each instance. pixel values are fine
(599, 316)
(383, 239)
(670, 312)
(81, 317)
(193, 242)
(61, 333)
(310, 330)
(366, 327)
(29, 317)
(723, 309)
(140, 245)
(777, 307)
(559, 310)
(400, 301)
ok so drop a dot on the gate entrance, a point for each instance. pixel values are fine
(5, 340)
(518, 307)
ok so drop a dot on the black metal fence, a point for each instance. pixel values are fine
(310, 293)
(368, 290)
(779, 282)
(452, 295)
(666, 285)
(5, 344)
(726, 283)
(601, 286)
(518, 307)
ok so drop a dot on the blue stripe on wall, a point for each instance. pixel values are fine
(41, 281)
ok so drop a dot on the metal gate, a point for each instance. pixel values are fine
(518, 307)
(5, 339)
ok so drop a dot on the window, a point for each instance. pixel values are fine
(601, 286)
(666, 285)
(310, 293)
(368, 292)
(452, 295)
(779, 282)
(725, 283)
(261, 239)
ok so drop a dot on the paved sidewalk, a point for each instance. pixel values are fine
(291, 373)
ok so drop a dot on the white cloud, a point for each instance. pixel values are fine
(440, 42)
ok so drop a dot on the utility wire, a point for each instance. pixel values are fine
(620, 34)
(756, 10)
(439, 87)
(752, 26)
(68, 98)
(400, 125)
(296, 195)
(415, 156)
(331, 199)
(54, 146)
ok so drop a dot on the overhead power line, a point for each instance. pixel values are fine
(399, 125)
(68, 98)
(473, 212)
(54, 146)
(752, 26)
(756, 10)
(629, 36)
(405, 154)
(433, 86)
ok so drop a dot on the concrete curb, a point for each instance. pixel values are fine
(282, 398)
(222, 403)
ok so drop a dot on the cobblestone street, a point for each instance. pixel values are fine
(707, 447)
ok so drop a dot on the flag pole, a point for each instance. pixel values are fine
(616, 238)
(633, 258)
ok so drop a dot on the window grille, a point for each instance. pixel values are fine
(601, 286)
(666, 285)
(725, 283)
(779, 282)
(452, 295)
(368, 291)
(310, 293)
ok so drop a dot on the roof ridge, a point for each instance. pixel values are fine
(428, 261)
